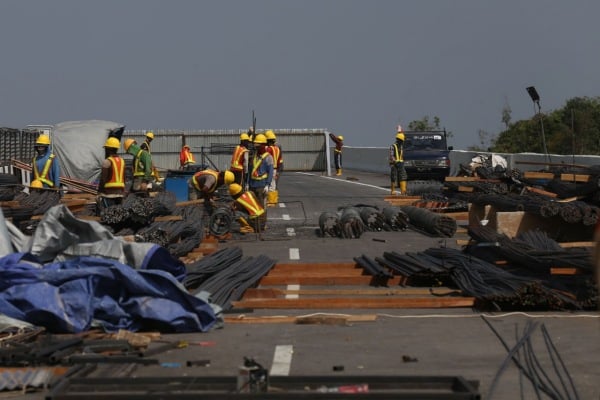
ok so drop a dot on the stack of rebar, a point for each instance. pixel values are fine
(429, 222)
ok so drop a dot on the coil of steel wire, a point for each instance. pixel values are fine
(432, 223)
(372, 218)
(395, 218)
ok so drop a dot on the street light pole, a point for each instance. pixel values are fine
(535, 97)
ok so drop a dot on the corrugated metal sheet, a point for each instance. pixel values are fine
(303, 149)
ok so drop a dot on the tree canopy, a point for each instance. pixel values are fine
(572, 129)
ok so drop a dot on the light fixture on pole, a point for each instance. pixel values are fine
(535, 97)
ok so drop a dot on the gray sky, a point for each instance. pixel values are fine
(357, 68)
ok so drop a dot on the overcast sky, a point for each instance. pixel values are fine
(355, 67)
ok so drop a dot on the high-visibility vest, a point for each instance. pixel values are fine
(43, 176)
(398, 153)
(146, 146)
(117, 179)
(255, 166)
(202, 173)
(186, 157)
(138, 166)
(276, 153)
(249, 201)
(237, 159)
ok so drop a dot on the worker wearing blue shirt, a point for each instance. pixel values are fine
(261, 169)
(45, 168)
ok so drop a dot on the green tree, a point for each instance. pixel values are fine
(424, 124)
(572, 129)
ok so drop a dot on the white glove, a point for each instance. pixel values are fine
(266, 189)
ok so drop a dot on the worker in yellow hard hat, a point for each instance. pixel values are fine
(186, 158)
(337, 152)
(111, 188)
(261, 169)
(203, 185)
(44, 166)
(142, 167)
(239, 160)
(275, 150)
(254, 216)
(147, 140)
(396, 159)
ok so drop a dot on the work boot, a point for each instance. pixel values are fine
(392, 189)
(272, 198)
(339, 172)
(403, 188)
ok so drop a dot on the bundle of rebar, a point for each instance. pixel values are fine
(432, 223)
(372, 218)
(199, 271)
(351, 224)
(372, 267)
(395, 218)
(230, 283)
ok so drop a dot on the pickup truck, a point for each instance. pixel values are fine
(426, 155)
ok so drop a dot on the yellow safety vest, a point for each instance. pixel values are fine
(398, 153)
(256, 165)
(44, 175)
(205, 172)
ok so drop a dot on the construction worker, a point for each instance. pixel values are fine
(337, 152)
(275, 151)
(146, 143)
(111, 188)
(245, 201)
(261, 169)
(206, 182)
(142, 167)
(44, 165)
(239, 160)
(186, 158)
(397, 172)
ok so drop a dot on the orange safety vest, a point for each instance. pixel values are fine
(117, 178)
(186, 157)
(44, 175)
(237, 159)
(276, 153)
(202, 173)
(256, 164)
(249, 201)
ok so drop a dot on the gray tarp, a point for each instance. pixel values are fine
(78, 146)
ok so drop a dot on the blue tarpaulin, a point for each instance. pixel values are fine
(73, 295)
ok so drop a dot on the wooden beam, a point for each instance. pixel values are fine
(575, 177)
(309, 319)
(325, 280)
(567, 245)
(273, 293)
(540, 191)
(538, 175)
(358, 303)
(565, 271)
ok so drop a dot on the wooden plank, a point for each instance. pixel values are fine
(324, 280)
(462, 179)
(10, 203)
(358, 303)
(567, 245)
(311, 266)
(273, 293)
(282, 319)
(458, 215)
(317, 273)
(466, 188)
(189, 202)
(565, 271)
(538, 175)
(164, 218)
(575, 177)
(89, 218)
(540, 191)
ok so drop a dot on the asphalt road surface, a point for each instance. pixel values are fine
(416, 343)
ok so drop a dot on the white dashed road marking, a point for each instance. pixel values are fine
(282, 360)
(294, 254)
(293, 296)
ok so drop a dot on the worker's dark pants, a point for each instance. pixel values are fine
(337, 159)
(259, 192)
(398, 173)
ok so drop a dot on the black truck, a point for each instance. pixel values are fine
(426, 155)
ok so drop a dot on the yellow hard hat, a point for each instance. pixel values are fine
(228, 177)
(43, 140)
(260, 139)
(128, 144)
(36, 184)
(234, 189)
(150, 135)
(340, 137)
(244, 136)
(112, 142)
(270, 135)
(400, 136)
